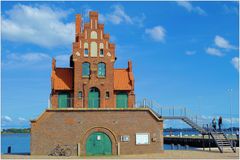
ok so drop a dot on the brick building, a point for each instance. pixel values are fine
(92, 103)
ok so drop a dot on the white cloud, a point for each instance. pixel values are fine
(6, 119)
(16, 60)
(40, 25)
(190, 8)
(223, 43)
(20, 119)
(214, 52)
(235, 62)
(28, 57)
(190, 53)
(230, 9)
(222, 47)
(234, 120)
(118, 16)
(156, 33)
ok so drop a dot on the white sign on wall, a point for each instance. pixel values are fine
(142, 138)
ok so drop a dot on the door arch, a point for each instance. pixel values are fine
(93, 98)
(98, 143)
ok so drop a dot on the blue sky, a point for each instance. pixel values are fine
(183, 53)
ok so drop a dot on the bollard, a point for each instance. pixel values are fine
(179, 146)
(9, 150)
(172, 146)
(187, 147)
(235, 145)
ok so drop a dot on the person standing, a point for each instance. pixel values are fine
(214, 124)
(220, 123)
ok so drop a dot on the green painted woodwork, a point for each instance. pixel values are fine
(85, 69)
(98, 143)
(63, 100)
(122, 100)
(93, 98)
(101, 69)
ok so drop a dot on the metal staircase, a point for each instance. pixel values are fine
(221, 141)
(187, 121)
(219, 138)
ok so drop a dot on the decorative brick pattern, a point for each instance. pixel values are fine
(115, 79)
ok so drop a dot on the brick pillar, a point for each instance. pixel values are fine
(131, 99)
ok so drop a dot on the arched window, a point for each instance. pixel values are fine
(101, 69)
(85, 69)
(94, 49)
(93, 35)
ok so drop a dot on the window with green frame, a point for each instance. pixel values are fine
(80, 95)
(85, 52)
(101, 52)
(101, 69)
(85, 69)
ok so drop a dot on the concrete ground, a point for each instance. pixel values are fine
(168, 154)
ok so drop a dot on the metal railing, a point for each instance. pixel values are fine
(172, 111)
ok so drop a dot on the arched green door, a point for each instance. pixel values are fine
(122, 100)
(93, 98)
(98, 143)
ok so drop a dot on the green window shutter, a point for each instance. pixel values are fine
(85, 69)
(63, 100)
(101, 69)
(93, 98)
(122, 100)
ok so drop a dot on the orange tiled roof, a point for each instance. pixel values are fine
(62, 79)
(122, 79)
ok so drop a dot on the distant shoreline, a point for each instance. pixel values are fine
(27, 130)
(15, 131)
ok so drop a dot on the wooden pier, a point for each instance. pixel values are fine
(194, 141)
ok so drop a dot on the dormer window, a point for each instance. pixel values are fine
(86, 52)
(101, 53)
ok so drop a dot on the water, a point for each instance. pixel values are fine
(20, 143)
(176, 133)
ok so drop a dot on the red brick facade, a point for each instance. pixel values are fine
(92, 38)
(74, 124)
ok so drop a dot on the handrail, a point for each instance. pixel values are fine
(172, 111)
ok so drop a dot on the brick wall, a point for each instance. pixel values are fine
(70, 127)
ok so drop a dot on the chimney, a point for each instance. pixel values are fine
(129, 66)
(53, 64)
(78, 23)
